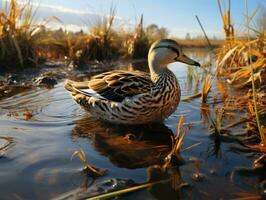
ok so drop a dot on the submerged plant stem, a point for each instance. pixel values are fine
(127, 190)
(192, 146)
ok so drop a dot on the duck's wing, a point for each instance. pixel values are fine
(114, 85)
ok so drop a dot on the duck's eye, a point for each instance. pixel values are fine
(174, 50)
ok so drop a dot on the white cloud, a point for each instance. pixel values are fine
(53, 7)
(61, 9)
(64, 9)
(72, 19)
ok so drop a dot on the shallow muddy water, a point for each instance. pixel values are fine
(41, 128)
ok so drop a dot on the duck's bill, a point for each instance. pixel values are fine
(187, 60)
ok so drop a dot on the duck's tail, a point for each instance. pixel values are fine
(81, 90)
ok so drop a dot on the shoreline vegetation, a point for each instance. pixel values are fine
(25, 43)
(241, 62)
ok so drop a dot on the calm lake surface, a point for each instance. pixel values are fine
(36, 161)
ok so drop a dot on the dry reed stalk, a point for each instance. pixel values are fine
(243, 61)
(226, 18)
(207, 84)
(81, 155)
(177, 144)
(262, 136)
(18, 36)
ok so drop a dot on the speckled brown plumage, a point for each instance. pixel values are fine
(133, 97)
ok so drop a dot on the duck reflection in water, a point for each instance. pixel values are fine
(127, 146)
(135, 147)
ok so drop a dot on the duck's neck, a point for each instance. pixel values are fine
(156, 70)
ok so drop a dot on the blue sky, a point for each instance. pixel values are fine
(178, 16)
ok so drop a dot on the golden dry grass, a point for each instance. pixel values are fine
(242, 60)
(177, 144)
(206, 88)
(81, 155)
(24, 43)
(18, 36)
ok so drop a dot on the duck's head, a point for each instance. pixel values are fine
(166, 51)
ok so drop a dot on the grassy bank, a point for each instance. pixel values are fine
(200, 42)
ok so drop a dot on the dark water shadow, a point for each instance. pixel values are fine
(127, 146)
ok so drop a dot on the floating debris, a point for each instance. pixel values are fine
(28, 114)
(198, 176)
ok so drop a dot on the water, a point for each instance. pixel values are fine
(36, 161)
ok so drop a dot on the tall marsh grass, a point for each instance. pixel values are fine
(25, 43)
(100, 43)
(243, 61)
(18, 36)
(139, 42)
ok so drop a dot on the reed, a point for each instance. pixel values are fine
(218, 122)
(174, 154)
(262, 136)
(19, 36)
(206, 88)
(226, 18)
(242, 61)
(136, 43)
(24, 43)
(68, 47)
(101, 45)
(88, 167)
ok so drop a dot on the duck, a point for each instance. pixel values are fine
(134, 97)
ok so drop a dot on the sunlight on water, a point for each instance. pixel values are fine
(39, 154)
